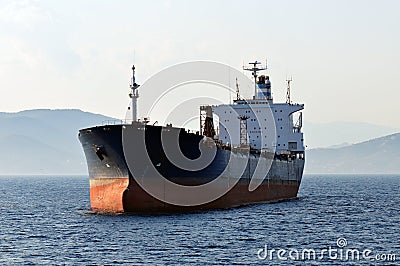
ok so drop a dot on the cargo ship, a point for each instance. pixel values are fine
(254, 154)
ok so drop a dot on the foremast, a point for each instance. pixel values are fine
(134, 95)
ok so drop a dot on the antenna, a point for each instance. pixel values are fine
(288, 101)
(237, 91)
(229, 85)
(255, 69)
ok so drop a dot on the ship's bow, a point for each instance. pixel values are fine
(108, 174)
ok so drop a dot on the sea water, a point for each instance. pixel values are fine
(46, 220)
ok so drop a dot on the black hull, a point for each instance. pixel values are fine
(113, 187)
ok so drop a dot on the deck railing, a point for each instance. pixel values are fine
(117, 122)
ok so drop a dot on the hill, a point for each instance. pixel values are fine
(323, 135)
(44, 141)
(380, 155)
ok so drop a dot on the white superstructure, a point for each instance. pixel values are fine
(269, 125)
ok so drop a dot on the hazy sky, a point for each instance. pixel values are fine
(343, 55)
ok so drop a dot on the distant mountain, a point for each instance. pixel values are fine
(44, 141)
(380, 155)
(324, 135)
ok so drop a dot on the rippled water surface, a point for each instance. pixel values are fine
(45, 220)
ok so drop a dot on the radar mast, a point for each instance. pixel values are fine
(254, 68)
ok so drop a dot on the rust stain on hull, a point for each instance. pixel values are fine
(106, 194)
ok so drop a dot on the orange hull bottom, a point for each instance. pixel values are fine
(106, 194)
(116, 195)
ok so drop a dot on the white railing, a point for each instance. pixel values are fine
(116, 122)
